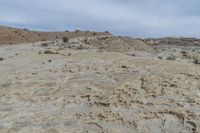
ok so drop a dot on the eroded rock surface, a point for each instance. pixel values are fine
(82, 87)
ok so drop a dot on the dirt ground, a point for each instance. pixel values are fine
(101, 84)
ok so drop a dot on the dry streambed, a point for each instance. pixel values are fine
(81, 87)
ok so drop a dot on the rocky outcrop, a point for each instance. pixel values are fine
(95, 85)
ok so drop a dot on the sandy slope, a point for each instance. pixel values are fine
(86, 88)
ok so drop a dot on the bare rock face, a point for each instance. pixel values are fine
(102, 84)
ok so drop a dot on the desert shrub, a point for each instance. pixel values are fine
(44, 44)
(94, 34)
(60, 49)
(101, 47)
(184, 54)
(160, 57)
(1, 59)
(171, 57)
(124, 66)
(50, 52)
(80, 47)
(196, 60)
(25, 29)
(65, 39)
(76, 31)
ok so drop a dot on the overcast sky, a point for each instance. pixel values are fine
(138, 18)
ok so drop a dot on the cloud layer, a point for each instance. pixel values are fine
(139, 18)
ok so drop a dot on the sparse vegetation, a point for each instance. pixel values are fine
(124, 66)
(160, 57)
(65, 39)
(50, 52)
(171, 57)
(44, 44)
(196, 60)
(1, 59)
(76, 31)
(94, 34)
(80, 47)
(60, 49)
(25, 29)
(184, 54)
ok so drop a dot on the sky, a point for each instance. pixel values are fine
(137, 18)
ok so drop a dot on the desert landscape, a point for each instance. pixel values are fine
(92, 82)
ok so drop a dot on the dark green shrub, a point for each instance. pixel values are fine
(1, 59)
(25, 29)
(65, 39)
(76, 31)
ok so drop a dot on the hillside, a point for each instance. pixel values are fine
(10, 35)
(96, 83)
(182, 41)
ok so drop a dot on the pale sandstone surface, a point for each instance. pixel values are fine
(84, 88)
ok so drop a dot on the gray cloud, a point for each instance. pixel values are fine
(140, 18)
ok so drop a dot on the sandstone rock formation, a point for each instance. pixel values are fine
(101, 84)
